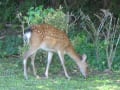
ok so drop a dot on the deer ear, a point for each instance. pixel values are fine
(84, 57)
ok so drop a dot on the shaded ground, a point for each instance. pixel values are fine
(11, 78)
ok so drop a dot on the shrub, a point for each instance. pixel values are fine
(57, 19)
(37, 15)
(50, 16)
(9, 46)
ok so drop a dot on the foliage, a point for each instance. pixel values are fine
(83, 45)
(8, 13)
(10, 46)
(112, 39)
(23, 49)
(88, 6)
(50, 16)
(9, 9)
(105, 33)
(114, 7)
(37, 15)
(57, 19)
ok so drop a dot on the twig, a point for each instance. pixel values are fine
(1, 37)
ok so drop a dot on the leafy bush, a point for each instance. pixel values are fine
(37, 15)
(9, 46)
(50, 16)
(9, 9)
(57, 19)
(8, 13)
(82, 44)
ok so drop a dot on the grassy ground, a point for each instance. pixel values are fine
(11, 78)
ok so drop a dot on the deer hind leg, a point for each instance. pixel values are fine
(33, 65)
(50, 55)
(61, 56)
(25, 58)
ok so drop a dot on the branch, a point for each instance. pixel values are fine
(66, 5)
(1, 37)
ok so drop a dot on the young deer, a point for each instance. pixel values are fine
(52, 40)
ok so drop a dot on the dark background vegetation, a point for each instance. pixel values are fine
(11, 33)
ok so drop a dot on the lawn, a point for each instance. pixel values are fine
(11, 78)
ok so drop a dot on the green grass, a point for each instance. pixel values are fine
(11, 78)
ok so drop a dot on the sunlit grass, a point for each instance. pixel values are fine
(11, 78)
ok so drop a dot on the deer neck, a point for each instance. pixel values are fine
(71, 52)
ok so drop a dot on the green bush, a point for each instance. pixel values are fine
(9, 8)
(9, 46)
(82, 45)
(7, 11)
(57, 19)
(50, 16)
(37, 15)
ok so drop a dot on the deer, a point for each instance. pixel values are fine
(52, 40)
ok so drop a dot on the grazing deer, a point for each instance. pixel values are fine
(52, 40)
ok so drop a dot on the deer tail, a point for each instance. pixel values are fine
(27, 35)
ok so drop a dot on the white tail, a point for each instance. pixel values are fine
(52, 40)
(27, 36)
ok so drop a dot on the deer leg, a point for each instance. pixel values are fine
(33, 65)
(26, 56)
(50, 54)
(61, 56)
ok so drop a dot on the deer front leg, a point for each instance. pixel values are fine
(61, 56)
(25, 68)
(50, 55)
